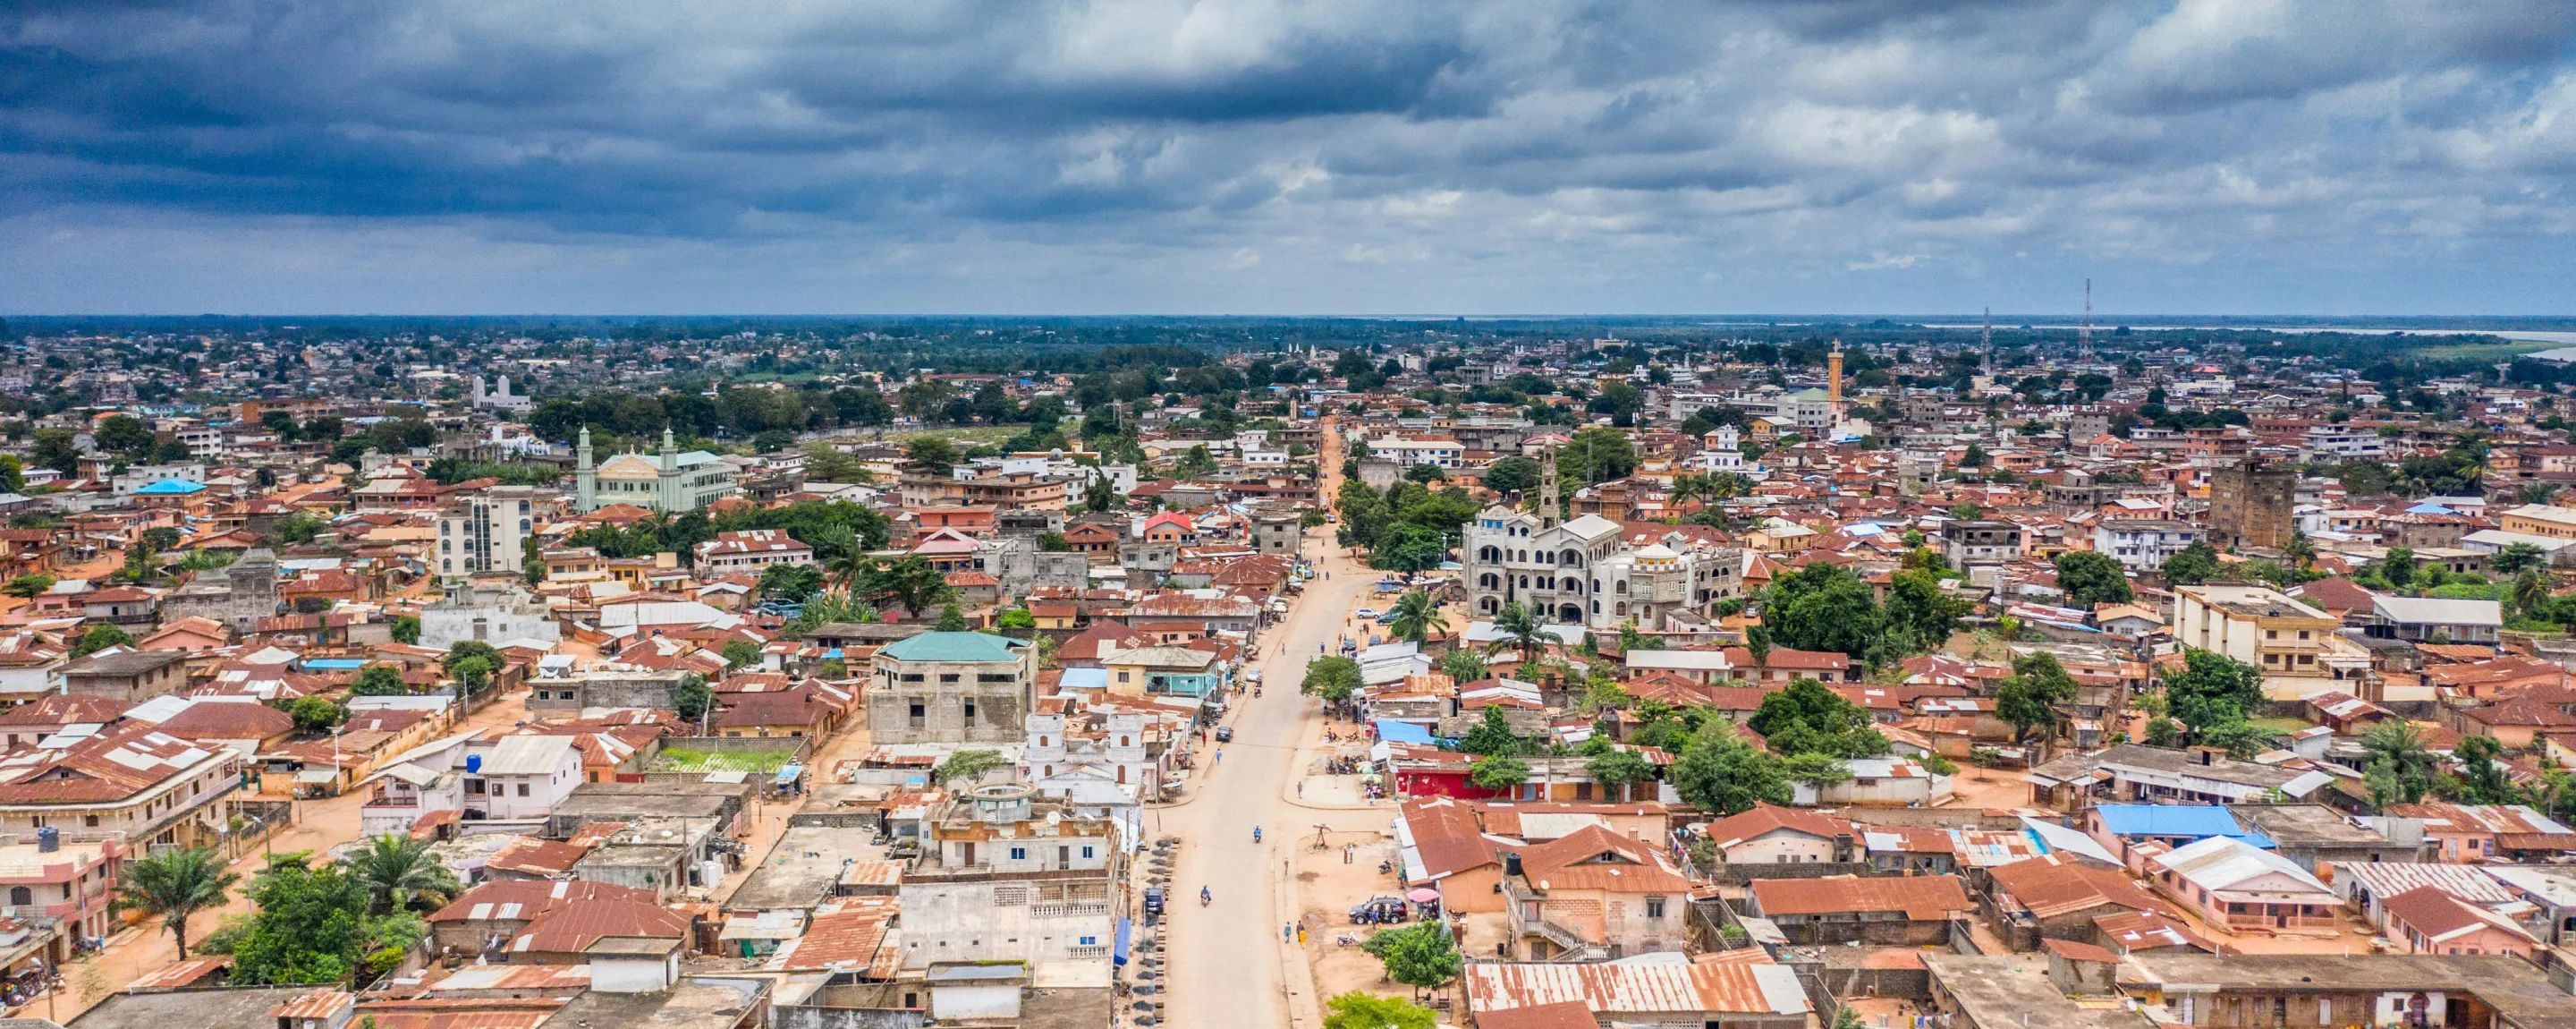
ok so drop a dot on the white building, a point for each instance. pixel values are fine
(485, 531)
(750, 550)
(2144, 545)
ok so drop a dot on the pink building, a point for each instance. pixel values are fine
(2426, 920)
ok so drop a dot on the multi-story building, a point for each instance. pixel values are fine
(485, 531)
(2331, 443)
(670, 482)
(2295, 645)
(1581, 572)
(129, 783)
(2143, 545)
(1408, 451)
(1594, 896)
(2541, 520)
(750, 551)
(1973, 544)
(1005, 875)
(952, 687)
(2249, 505)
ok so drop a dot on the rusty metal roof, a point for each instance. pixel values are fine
(1632, 989)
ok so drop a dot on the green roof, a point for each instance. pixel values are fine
(955, 646)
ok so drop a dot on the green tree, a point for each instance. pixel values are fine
(1809, 716)
(1919, 615)
(1362, 1010)
(951, 619)
(2398, 768)
(316, 714)
(2025, 700)
(401, 874)
(968, 766)
(54, 449)
(739, 653)
(2398, 567)
(1617, 769)
(2192, 565)
(406, 630)
(692, 698)
(2516, 557)
(1409, 548)
(1823, 607)
(1016, 618)
(101, 637)
(929, 455)
(1517, 628)
(1720, 773)
(1492, 735)
(2211, 687)
(13, 474)
(1512, 475)
(1462, 666)
(1598, 453)
(2530, 592)
(791, 583)
(1820, 772)
(28, 586)
(1054, 543)
(125, 434)
(1334, 679)
(1499, 773)
(910, 582)
(300, 527)
(1415, 615)
(2092, 578)
(2302, 551)
(172, 885)
(1421, 956)
(380, 680)
(310, 926)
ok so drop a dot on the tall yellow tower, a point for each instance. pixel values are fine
(1834, 375)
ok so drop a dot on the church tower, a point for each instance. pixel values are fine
(666, 486)
(1548, 510)
(585, 475)
(1045, 746)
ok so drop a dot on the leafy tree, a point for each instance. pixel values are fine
(929, 455)
(2530, 592)
(1362, 1010)
(13, 474)
(29, 586)
(316, 714)
(2240, 738)
(1421, 956)
(310, 926)
(951, 619)
(692, 698)
(101, 637)
(1334, 679)
(1720, 773)
(172, 885)
(1598, 453)
(1823, 607)
(1499, 773)
(125, 434)
(379, 681)
(1462, 665)
(54, 449)
(2482, 773)
(1512, 475)
(1054, 543)
(2091, 578)
(1819, 772)
(1415, 615)
(741, 653)
(2398, 768)
(2211, 687)
(968, 765)
(2038, 681)
(909, 581)
(1518, 629)
(1016, 618)
(2302, 551)
(2516, 557)
(406, 630)
(2191, 566)
(1409, 548)
(2398, 567)
(402, 874)
(1809, 716)
(791, 583)
(300, 527)
(1617, 769)
(1919, 615)
(1493, 735)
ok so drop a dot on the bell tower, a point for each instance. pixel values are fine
(1548, 510)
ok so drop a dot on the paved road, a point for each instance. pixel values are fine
(1227, 965)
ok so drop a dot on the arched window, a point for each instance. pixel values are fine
(1569, 613)
(1489, 554)
(1621, 609)
(1486, 604)
(1546, 558)
(1488, 581)
(21, 896)
(1042, 741)
(1620, 586)
(1571, 559)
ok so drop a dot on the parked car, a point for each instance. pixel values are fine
(1153, 900)
(1225, 734)
(1387, 618)
(1380, 910)
(1366, 612)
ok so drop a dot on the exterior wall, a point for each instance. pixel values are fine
(1040, 918)
(610, 689)
(2250, 506)
(914, 702)
(509, 797)
(1780, 847)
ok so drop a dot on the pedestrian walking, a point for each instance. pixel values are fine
(1301, 936)
(1346, 853)
(1287, 931)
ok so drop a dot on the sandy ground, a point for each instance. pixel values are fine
(1989, 788)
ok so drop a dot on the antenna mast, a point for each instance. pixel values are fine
(2084, 336)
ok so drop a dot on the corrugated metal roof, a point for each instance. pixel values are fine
(2388, 879)
(1626, 989)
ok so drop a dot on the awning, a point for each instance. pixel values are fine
(318, 775)
(1126, 931)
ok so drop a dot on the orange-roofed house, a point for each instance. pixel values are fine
(1772, 835)
(1908, 911)
(1595, 895)
(2429, 920)
(1448, 851)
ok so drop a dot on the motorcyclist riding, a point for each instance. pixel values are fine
(1204, 896)
(1256, 834)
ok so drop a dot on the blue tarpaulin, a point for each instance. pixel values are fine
(1126, 930)
(1402, 732)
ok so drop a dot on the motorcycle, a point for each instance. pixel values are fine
(1256, 834)
(1204, 896)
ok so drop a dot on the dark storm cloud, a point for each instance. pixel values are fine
(1169, 155)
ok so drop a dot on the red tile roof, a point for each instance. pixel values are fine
(1924, 898)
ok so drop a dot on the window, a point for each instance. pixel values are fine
(1086, 853)
(1654, 907)
(1019, 853)
(523, 789)
(1089, 941)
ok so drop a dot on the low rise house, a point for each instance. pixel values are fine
(1909, 911)
(1769, 834)
(2429, 920)
(2232, 885)
(1441, 846)
(126, 782)
(2486, 832)
(133, 675)
(1594, 895)
(1710, 995)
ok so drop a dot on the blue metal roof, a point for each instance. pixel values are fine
(2199, 821)
(173, 487)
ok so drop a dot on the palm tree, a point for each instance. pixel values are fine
(174, 885)
(400, 871)
(1415, 614)
(2530, 591)
(2538, 492)
(1688, 486)
(846, 569)
(1519, 629)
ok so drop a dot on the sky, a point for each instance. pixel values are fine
(1318, 157)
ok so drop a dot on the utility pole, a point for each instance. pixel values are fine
(2084, 336)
